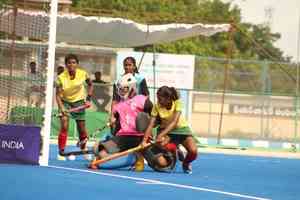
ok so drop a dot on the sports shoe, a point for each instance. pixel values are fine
(87, 156)
(61, 152)
(61, 158)
(60, 155)
(82, 143)
(187, 168)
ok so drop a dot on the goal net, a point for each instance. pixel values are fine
(27, 56)
(27, 52)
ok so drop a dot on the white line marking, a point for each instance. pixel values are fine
(146, 183)
(160, 183)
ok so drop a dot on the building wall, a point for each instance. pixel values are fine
(245, 116)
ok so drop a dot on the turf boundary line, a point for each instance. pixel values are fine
(159, 182)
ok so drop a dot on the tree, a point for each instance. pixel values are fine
(192, 11)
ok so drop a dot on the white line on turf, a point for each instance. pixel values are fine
(160, 183)
(146, 183)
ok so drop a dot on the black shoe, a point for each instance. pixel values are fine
(61, 152)
(61, 155)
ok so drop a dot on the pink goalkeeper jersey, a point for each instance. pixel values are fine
(128, 111)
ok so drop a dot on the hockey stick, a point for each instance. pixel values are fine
(77, 153)
(107, 124)
(76, 109)
(118, 155)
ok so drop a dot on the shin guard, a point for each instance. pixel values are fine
(62, 139)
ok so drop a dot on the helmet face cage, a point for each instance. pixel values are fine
(126, 86)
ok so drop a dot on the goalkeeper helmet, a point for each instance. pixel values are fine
(126, 86)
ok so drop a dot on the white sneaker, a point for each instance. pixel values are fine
(87, 157)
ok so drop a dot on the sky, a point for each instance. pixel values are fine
(285, 20)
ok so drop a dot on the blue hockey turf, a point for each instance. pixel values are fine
(215, 177)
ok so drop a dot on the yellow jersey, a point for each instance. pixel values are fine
(73, 90)
(167, 115)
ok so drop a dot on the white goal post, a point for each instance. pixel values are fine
(49, 86)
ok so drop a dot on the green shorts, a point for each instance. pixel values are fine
(178, 135)
(179, 131)
(78, 115)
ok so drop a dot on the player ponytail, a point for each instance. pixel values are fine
(174, 93)
(168, 92)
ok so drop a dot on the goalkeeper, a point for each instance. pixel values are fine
(126, 113)
(132, 119)
(71, 93)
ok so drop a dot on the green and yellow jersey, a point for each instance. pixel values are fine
(166, 115)
(73, 90)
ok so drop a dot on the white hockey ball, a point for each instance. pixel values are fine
(71, 157)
